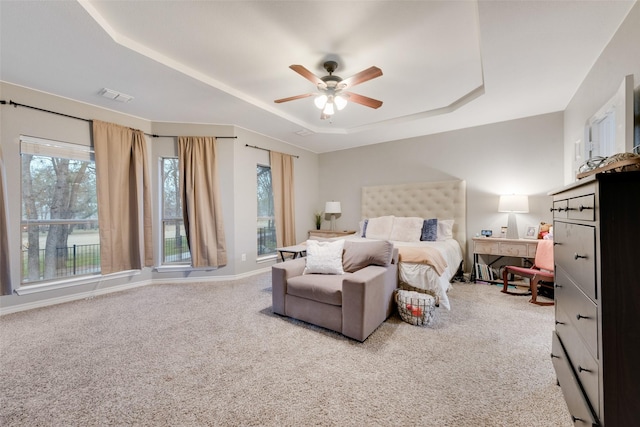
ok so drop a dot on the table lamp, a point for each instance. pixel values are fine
(332, 208)
(513, 204)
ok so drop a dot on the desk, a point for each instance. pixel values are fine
(518, 248)
(297, 250)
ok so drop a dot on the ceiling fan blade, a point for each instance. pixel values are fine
(364, 100)
(293, 98)
(308, 75)
(362, 76)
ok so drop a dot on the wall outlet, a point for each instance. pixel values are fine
(244, 257)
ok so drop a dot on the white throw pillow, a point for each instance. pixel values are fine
(324, 257)
(379, 228)
(406, 229)
(445, 229)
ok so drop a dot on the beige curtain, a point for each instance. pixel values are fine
(283, 198)
(124, 198)
(5, 273)
(201, 207)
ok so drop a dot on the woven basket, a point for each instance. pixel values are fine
(415, 308)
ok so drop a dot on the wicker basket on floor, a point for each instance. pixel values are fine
(415, 308)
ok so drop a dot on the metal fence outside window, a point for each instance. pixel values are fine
(70, 261)
(266, 240)
(176, 250)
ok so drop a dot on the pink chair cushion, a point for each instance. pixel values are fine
(530, 272)
(544, 255)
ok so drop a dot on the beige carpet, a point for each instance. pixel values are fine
(214, 354)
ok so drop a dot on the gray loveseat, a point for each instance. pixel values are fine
(354, 303)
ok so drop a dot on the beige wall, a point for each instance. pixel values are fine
(621, 57)
(519, 156)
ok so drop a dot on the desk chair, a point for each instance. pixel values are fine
(541, 273)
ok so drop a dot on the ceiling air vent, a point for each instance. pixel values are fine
(115, 96)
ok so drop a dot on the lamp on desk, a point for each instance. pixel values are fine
(333, 209)
(513, 204)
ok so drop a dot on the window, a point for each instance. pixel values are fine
(59, 217)
(266, 220)
(174, 238)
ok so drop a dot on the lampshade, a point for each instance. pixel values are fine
(340, 102)
(328, 109)
(513, 203)
(320, 101)
(332, 208)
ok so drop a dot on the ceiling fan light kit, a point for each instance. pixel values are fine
(332, 93)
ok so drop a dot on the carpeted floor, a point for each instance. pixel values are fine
(214, 354)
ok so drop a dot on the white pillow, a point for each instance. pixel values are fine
(445, 229)
(324, 257)
(379, 228)
(406, 229)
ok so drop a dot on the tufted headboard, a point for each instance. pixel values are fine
(438, 199)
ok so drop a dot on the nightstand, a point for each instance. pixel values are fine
(517, 248)
(330, 233)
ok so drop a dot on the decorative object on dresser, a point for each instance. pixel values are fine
(513, 204)
(318, 219)
(333, 209)
(540, 273)
(327, 234)
(597, 335)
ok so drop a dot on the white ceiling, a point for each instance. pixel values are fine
(447, 64)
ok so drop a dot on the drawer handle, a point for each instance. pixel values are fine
(581, 208)
(552, 209)
(580, 316)
(581, 369)
(559, 322)
(554, 356)
(574, 419)
(576, 256)
(558, 285)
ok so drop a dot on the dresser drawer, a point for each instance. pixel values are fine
(581, 313)
(575, 252)
(560, 208)
(585, 366)
(582, 208)
(576, 402)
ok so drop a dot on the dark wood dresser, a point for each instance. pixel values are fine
(596, 342)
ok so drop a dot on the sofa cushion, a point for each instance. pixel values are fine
(324, 257)
(358, 255)
(323, 288)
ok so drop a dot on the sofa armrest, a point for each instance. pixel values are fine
(367, 299)
(280, 273)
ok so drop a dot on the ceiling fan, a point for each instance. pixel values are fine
(332, 90)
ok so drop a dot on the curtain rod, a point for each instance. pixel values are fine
(16, 104)
(266, 149)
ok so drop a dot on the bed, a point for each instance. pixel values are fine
(444, 200)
